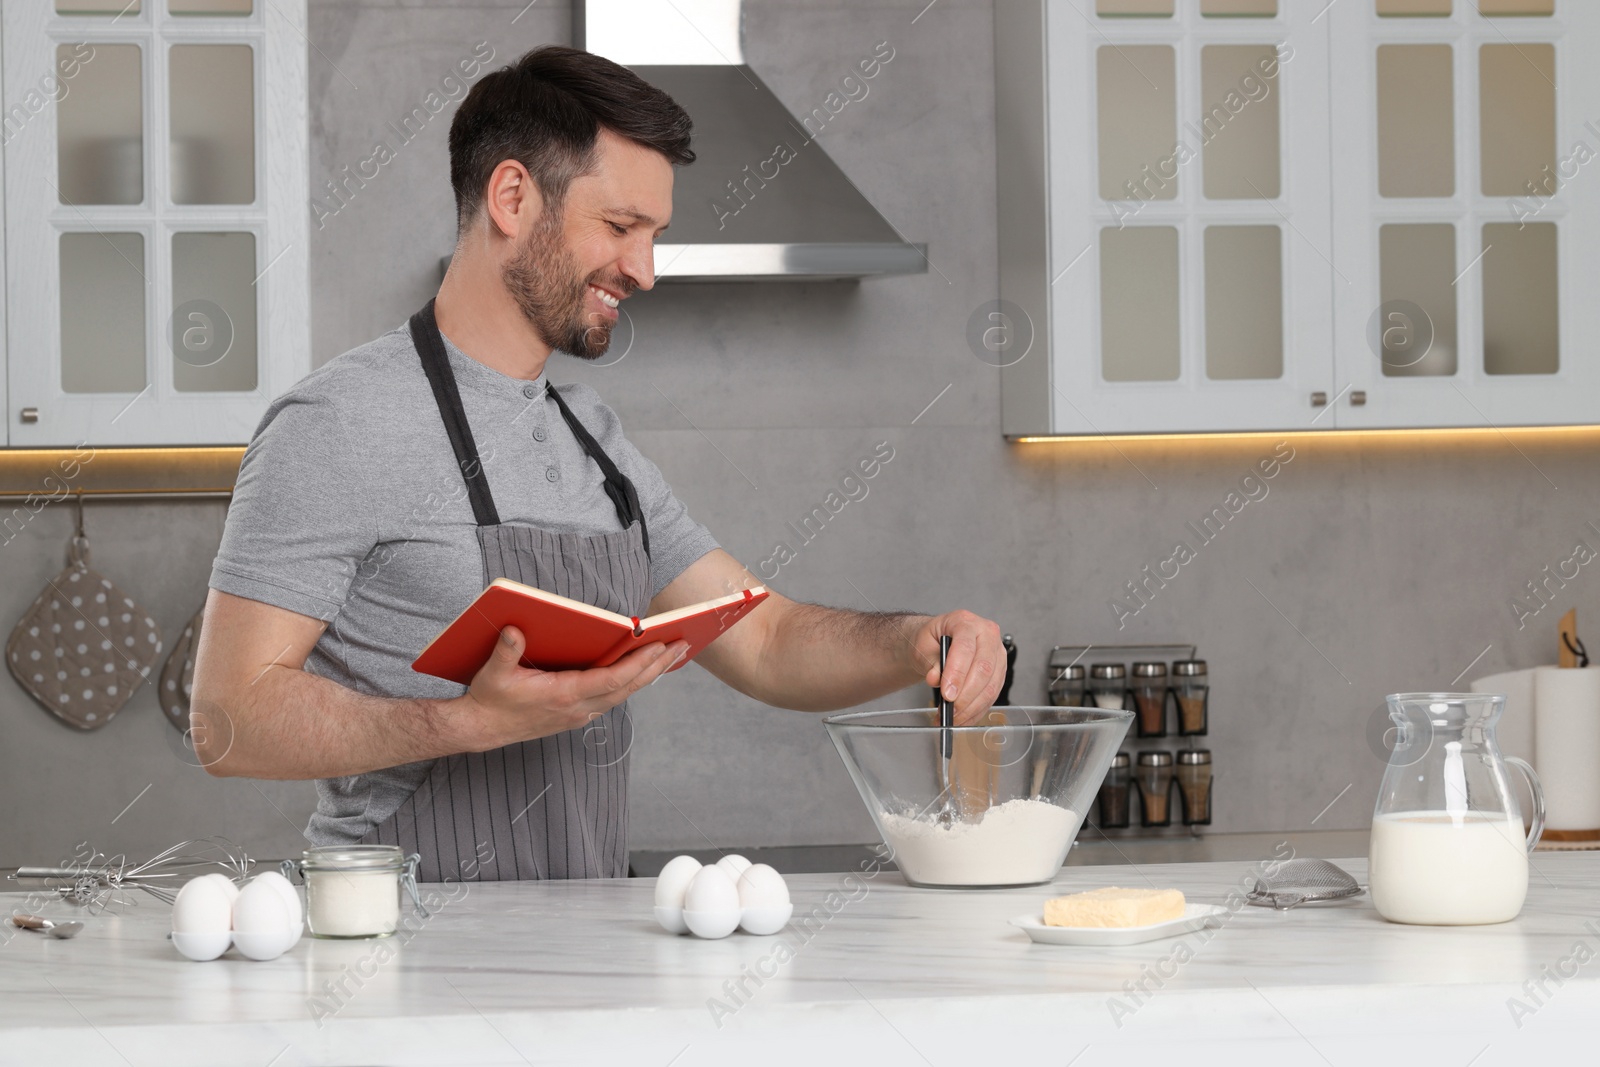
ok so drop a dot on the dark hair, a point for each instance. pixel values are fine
(546, 111)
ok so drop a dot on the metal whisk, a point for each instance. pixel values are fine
(950, 809)
(92, 881)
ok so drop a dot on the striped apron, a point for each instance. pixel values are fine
(553, 807)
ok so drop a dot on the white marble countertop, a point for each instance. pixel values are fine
(576, 972)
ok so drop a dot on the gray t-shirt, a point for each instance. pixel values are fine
(350, 508)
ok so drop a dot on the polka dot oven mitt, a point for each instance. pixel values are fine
(177, 677)
(84, 645)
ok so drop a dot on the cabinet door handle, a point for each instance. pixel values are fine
(1319, 399)
(1358, 398)
(30, 414)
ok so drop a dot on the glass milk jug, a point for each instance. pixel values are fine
(1448, 847)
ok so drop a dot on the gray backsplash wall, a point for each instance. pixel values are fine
(1371, 566)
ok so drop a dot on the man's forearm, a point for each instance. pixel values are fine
(289, 724)
(821, 659)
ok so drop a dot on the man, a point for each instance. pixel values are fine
(381, 494)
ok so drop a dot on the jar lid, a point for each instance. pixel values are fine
(1192, 756)
(1072, 672)
(1155, 759)
(1149, 670)
(1189, 667)
(353, 858)
(1119, 761)
(1108, 670)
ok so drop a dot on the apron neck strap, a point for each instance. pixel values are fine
(436, 365)
(619, 487)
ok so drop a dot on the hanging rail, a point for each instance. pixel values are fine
(128, 495)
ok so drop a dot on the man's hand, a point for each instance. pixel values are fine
(507, 702)
(976, 667)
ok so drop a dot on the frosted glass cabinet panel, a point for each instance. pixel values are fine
(1416, 120)
(1139, 333)
(1138, 125)
(1414, 8)
(1521, 299)
(1517, 123)
(1416, 278)
(1238, 8)
(114, 8)
(1223, 215)
(1239, 115)
(155, 233)
(100, 126)
(210, 7)
(1519, 8)
(1141, 8)
(213, 123)
(1244, 302)
(102, 312)
(213, 312)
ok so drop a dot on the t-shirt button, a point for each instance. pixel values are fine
(538, 435)
(551, 474)
(530, 391)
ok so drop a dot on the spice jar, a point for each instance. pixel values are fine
(1114, 794)
(1192, 690)
(1194, 786)
(1150, 698)
(1067, 685)
(1155, 787)
(1108, 685)
(353, 891)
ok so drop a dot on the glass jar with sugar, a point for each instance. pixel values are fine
(353, 891)
(1108, 685)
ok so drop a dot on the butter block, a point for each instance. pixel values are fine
(1114, 907)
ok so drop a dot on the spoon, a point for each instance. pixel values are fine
(45, 926)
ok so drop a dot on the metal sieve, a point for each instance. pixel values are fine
(1302, 881)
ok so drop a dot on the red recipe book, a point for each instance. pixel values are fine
(565, 635)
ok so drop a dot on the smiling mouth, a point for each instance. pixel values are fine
(608, 299)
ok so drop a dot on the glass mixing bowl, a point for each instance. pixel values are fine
(1021, 782)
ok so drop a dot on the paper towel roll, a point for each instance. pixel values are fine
(1515, 732)
(1566, 704)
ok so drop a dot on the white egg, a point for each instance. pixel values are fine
(226, 884)
(291, 901)
(763, 900)
(762, 887)
(202, 947)
(261, 922)
(735, 865)
(711, 906)
(202, 907)
(673, 881)
(711, 889)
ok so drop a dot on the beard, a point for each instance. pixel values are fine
(543, 279)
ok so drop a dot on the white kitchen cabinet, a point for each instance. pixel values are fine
(156, 224)
(1194, 235)
(1466, 210)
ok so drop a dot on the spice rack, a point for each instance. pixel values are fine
(1167, 688)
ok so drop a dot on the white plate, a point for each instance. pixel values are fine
(1194, 917)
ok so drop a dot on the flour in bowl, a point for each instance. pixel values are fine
(1019, 842)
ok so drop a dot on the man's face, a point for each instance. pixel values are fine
(577, 264)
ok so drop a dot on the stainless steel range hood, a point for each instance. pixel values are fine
(763, 202)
